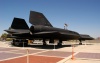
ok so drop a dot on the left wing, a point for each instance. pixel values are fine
(15, 31)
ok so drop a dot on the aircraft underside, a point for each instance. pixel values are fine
(21, 42)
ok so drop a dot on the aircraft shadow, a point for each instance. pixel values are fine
(48, 46)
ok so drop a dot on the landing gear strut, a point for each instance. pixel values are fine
(44, 42)
(80, 42)
(60, 43)
(51, 41)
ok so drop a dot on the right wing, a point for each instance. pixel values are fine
(85, 37)
(46, 32)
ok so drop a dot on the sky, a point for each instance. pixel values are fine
(82, 16)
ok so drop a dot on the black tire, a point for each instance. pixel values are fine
(26, 44)
(80, 43)
(59, 44)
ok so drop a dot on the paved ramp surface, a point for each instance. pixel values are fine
(82, 53)
(88, 55)
(14, 55)
(33, 59)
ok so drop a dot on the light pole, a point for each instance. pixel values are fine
(65, 26)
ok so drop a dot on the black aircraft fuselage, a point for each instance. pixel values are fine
(53, 33)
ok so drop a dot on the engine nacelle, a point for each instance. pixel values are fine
(40, 28)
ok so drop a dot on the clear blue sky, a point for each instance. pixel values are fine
(82, 16)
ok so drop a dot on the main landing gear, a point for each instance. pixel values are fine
(52, 41)
(44, 42)
(59, 43)
(80, 42)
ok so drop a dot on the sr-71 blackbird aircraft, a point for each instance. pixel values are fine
(41, 29)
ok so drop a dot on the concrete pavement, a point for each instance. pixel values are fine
(89, 52)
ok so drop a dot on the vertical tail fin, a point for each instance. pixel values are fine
(37, 18)
(19, 23)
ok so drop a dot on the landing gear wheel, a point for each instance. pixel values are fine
(80, 43)
(59, 44)
(44, 44)
(25, 44)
